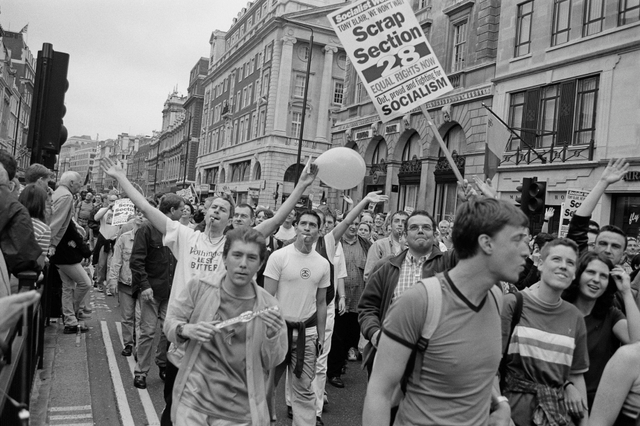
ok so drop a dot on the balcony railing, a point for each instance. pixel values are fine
(549, 155)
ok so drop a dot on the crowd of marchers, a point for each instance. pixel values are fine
(471, 321)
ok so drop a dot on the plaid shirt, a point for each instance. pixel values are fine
(410, 273)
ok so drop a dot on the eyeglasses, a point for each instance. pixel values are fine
(416, 228)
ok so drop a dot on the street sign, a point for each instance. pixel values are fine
(391, 54)
(572, 201)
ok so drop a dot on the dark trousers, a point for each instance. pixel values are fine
(346, 334)
(98, 247)
(172, 372)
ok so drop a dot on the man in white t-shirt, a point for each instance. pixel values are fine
(199, 253)
(298, 277)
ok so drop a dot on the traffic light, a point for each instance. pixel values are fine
(523, 200)
(537, 195)
(532, 196)
(46, 130)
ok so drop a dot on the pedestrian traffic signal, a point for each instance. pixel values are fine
(46, 130)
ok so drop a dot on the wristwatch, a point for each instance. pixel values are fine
(179, 329)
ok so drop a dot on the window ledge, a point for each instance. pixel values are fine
(520, 58)
(458, 7)
(592, 36)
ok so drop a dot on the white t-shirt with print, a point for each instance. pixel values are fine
(299, 276)
(196, 254)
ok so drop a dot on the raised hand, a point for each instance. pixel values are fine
(111, 168)
(309, 173)
(548, 213)
(485, 187)
(376, 197)
(615, 171)
(347, 199)
(465, 191)
(621, 278)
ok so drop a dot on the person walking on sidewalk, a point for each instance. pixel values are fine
(75, 281)
(152, 267)
(222, 378)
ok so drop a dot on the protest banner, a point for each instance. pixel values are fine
(393, 59)
(572, 201)
(122, 210)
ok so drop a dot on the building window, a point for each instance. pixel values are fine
(247, 100)
(423, 3)
(338, 91)
(380, 153)
(559, 114)
(234, 135)
(459, 45)
(262, 123)
(257, 173)
(523, 29)
(586, 98)
(256, 92)
(238, 100)
(254, 125)
(361, 93)
(252, 67)
(265, 83)
(267, 52)
(298, 89)
(240, 171)
(303, 52)
(561, 21)
(296, 119)
(244, 98)
(411, 149)
(629, 12)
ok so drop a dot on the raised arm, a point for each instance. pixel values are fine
(155, 216)
(307, 177)
(372, 197)
(614, 172)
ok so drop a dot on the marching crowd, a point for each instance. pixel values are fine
(470, 322)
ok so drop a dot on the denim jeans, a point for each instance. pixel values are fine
(75, 285)
(151, 313)
(128, 312)
(303, 396)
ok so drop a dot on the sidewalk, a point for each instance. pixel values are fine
(61, 393)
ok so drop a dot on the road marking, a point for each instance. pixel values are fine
(71, 408)
(149, 409)
(121, 396)
(70, 417)
(74, 424)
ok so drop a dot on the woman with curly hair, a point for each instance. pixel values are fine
(592, 292)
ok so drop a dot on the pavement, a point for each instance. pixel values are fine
(61, 394)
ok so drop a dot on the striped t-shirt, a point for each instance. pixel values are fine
(548, 344)
(42, 233)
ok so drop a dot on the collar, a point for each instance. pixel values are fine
(411, 258)
(355, 240)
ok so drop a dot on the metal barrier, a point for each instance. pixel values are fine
(22, 353)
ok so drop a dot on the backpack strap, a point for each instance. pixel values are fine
(498, 295)
(515, 319)
(434, 310)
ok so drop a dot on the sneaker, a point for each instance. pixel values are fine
(325, 399)
(335, 381)
(100, 289)
(127, 350)
(352, 354)
(319, 421)
(108, 293)
(140, 382)
(289, 412)
(87, 310)
(83, 316)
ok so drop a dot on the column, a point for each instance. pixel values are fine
(326, 92)
(283, 91)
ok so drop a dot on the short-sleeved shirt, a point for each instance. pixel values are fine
(42, 233)
(217, 384)
(196, 253)
(602, 344)
(548, 344)
(460, 362)
(299, 277)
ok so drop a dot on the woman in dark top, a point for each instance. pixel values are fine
(592, 292)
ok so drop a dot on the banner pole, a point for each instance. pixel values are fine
(443, 146)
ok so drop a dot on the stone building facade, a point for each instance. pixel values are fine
(254, 96)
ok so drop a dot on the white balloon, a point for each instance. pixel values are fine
(341, 168)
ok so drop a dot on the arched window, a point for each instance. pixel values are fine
(290, 173)
(411, 148)
(257, 172)
(380, 153)
(222, 176)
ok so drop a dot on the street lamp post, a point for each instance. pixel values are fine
(304, 99)
(186, 158)
(15, 138)
(155, 175)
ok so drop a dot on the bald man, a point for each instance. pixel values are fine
(75, 281)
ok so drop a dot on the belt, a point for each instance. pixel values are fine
(301, 326)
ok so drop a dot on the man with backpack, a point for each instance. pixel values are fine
(446, 333)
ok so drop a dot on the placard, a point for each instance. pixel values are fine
(572, 201)
(391, 55)
(123, 209)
